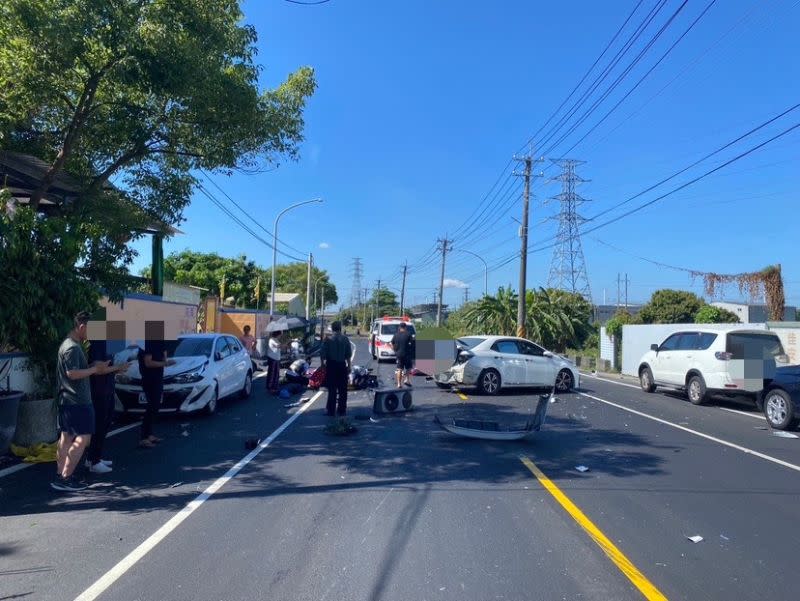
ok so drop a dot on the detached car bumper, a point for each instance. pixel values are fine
(178, 398)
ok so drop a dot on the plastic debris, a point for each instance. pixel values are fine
(695, 539)
(305, 399)
(760, 428)
(175, 485)
(295, 404)
(723, 537)
(554, 399)
(581, 468)
(374, 420)
(781, 434)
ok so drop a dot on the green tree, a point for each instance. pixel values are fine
(712, 314)
(670, 306)
(557, 319)
(493, 314)
(146, 89)
(384, 302)
(206, 270)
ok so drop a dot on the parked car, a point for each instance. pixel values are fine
(712, 362)
(380, 338)
(493, 362)
(208, 367)
(781, 398)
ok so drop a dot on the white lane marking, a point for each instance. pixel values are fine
(745, 413)
(159, 535)
(612, 381)
(21, 466)
(745, 450)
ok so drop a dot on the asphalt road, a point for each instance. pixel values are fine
(404, 511)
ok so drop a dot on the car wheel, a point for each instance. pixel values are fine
(778, 409)
(489, 382)
(564, 381)
(247, 389)
(696, 390)
(646, 380)
(211, 406)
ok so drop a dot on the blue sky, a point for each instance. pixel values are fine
(421, 104)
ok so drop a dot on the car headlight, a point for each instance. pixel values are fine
(187, 378)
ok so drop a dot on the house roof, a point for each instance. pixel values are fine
(285, 297)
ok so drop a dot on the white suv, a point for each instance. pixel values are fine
(712, 362)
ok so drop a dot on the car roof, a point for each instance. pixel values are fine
(722, 331)
(201, 336)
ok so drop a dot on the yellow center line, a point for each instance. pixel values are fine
(624, 564)
(462, 396)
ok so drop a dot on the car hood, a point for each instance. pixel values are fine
(182, 365)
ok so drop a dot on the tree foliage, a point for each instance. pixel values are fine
(206, 270)
(712, 314)
(670, 306)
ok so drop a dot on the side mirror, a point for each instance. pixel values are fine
(654, 347)
(548, 354)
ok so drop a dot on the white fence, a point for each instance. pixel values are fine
(608, 348)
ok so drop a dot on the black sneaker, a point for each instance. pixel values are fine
(67, 485)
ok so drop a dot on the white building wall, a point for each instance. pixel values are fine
(607, 347)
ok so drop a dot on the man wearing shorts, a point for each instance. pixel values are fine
(76, 421)
(402, 343)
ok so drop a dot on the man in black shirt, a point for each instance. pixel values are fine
(336, 356)
(403, 345)
(152, 361)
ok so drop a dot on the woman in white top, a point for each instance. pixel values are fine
(273, 362)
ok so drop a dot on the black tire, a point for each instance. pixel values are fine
(646, 380)
(696, 390)
(564, 381)
(247, 389)
(489, 382)
(778, 409)
(211, 406)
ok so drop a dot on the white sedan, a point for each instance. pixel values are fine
(208, 367)
(492, 362)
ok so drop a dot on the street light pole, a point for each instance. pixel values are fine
(275, 250)
(485, 269)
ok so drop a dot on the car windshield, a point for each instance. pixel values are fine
(193, 347)
(390, 329)
(754, 346)
(469, 342)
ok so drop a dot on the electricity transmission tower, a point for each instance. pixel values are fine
(358, 273)
(568, 267)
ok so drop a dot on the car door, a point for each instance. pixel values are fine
(240, 363)
(684, 357)
(663, 367)
(510, 362)
(539, 370)
(222, 366)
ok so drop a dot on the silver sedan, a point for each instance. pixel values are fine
(492, 362)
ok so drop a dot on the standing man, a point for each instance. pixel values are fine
(274, 362)
(336, 356)
(102, 388)
(75, 410)
(403, 345)
(248, 341)
(152, 361)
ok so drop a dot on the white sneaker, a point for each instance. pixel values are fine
(100, 468)
(108, 462)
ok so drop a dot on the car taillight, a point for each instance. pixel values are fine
(379, 343)
(464, 356)
(723, 356)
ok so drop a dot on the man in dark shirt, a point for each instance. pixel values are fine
(403, 345)
(152, 361)
(336, 356)
(102, 388)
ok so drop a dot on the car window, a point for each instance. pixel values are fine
(705, 340)
(193, 347)
(671, 343)
(754, 346)
(233, 344)
(688, 341)
(528, 348)
(506, 346)
(222, 348)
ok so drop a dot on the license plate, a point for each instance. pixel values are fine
(142, 398)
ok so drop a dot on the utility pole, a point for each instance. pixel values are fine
(403, 290)
(444, 246)
(377, 302)
(619, 279)
(523, 253)
(308, 286)
(626, 291)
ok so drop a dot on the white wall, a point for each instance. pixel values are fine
(636, 339)
(607, 347)
(789, 333)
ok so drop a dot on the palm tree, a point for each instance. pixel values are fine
(494, 314)
(557, 319)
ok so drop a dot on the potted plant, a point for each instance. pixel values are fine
(9, 406)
